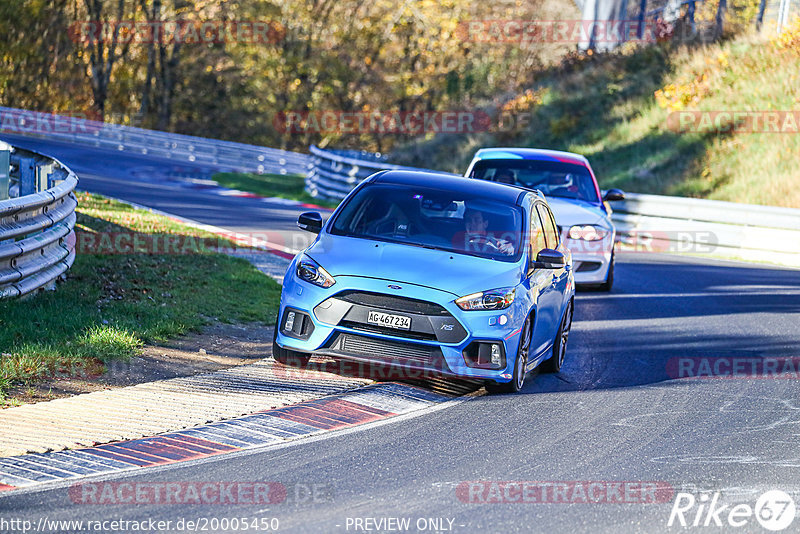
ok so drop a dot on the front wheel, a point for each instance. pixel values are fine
(287, 356)
(521, 362)
(554, 363)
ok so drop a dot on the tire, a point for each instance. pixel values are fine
(520, 363)
(289, 357)
(554, 363)
(609, 283)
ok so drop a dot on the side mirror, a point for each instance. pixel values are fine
(614, 194)
(310, 221)
(549, 259)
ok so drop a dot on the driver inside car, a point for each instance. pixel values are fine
(477, 236)
(560, 185)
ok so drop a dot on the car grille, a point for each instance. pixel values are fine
(384, 350)
(375, 329)
(392, 303)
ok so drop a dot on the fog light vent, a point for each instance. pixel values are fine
(485, 355)
(296, 324)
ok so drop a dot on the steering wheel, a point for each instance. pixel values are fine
(483, 240)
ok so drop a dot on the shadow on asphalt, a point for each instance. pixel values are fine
(678, 319)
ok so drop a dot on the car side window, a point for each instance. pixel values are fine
(537, 234)
(549, 225)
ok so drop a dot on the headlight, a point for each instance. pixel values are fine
(495, 299)
(587, 232)
(311, 271)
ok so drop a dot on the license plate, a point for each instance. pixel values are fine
(388, 320)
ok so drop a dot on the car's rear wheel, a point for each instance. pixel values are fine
(288, 356)
(521, 361)
(554, 363)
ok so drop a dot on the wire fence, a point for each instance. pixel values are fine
(677, 20)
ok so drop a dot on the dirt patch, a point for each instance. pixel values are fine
(218, 346)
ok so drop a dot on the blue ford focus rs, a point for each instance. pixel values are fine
(431, 274)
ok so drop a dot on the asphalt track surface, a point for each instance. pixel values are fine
(618, 411)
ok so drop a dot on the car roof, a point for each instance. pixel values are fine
(488, 190)
(531, 153)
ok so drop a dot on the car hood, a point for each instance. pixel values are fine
(457, 274)
(570, 212)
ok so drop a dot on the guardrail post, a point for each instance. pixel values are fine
(5, 169)
(27, 176)
(43, 173)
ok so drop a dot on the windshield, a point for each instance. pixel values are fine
(553, 178)
(432, 218)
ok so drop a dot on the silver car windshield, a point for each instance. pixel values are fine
(553, 178)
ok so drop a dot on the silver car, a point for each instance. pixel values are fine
(568, 182)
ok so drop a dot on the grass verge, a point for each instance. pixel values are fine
(112, 303)
(289, 186)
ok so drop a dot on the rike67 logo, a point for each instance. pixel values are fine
(774, 510)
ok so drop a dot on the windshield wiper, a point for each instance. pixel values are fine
(396, 241)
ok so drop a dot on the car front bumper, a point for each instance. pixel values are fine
(333, 322)
(591, 259)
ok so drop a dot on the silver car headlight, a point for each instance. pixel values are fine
(312, 272)
(494, 299)
(587, 232)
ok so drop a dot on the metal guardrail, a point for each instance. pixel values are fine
(37, 221)
(649, 223)
(710, 227)
(224, 155)
(334, 173)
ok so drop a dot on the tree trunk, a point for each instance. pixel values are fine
(762, 6)
(102, 59)
(153, 15)
(719, 26)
